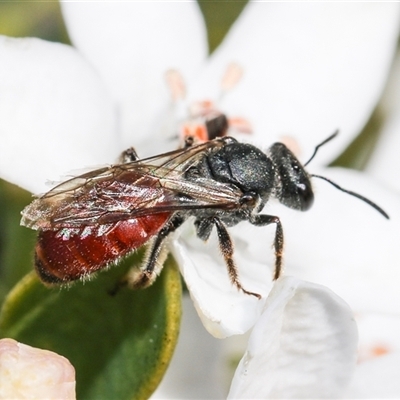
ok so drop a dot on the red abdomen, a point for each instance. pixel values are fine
(70, 254)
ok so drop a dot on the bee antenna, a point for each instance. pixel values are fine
(364, 199)
(321, 144)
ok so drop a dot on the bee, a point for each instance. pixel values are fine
(91, 221)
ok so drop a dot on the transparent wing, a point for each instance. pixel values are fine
(126, 191)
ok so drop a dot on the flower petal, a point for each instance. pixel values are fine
(309, 69)
(224, 309)
(55, 113)
(379, 335)
(345, 244)
(303, 346)
(30, 373)
(133, 44)
(378, 378)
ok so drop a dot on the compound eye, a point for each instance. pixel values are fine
(297, 193)
(295, 190)
(305, 195)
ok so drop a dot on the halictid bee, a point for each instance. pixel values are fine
(91, 221)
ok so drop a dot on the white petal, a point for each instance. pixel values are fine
(303, 346)
(224, 310)
(194, 369)
(345, 244)
(309, 69)
(377, 373)
(55, 113)
(379, 335)
(133, 44)
(378, 378)
(385, 162)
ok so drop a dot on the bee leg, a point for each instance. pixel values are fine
(262, 220)
(154, 258)
(127, 156)
(204, 227)
(226, 246)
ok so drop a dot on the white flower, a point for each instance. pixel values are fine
(304, 345)
(309, 346)
(30, 373)
(309, 69)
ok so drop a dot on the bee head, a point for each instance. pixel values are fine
(293, 185)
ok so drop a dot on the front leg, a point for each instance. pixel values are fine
(262, 220)
(226, 246)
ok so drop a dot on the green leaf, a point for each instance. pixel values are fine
(120, 345)
(219, 17)
(42, 19)
(16, 242)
